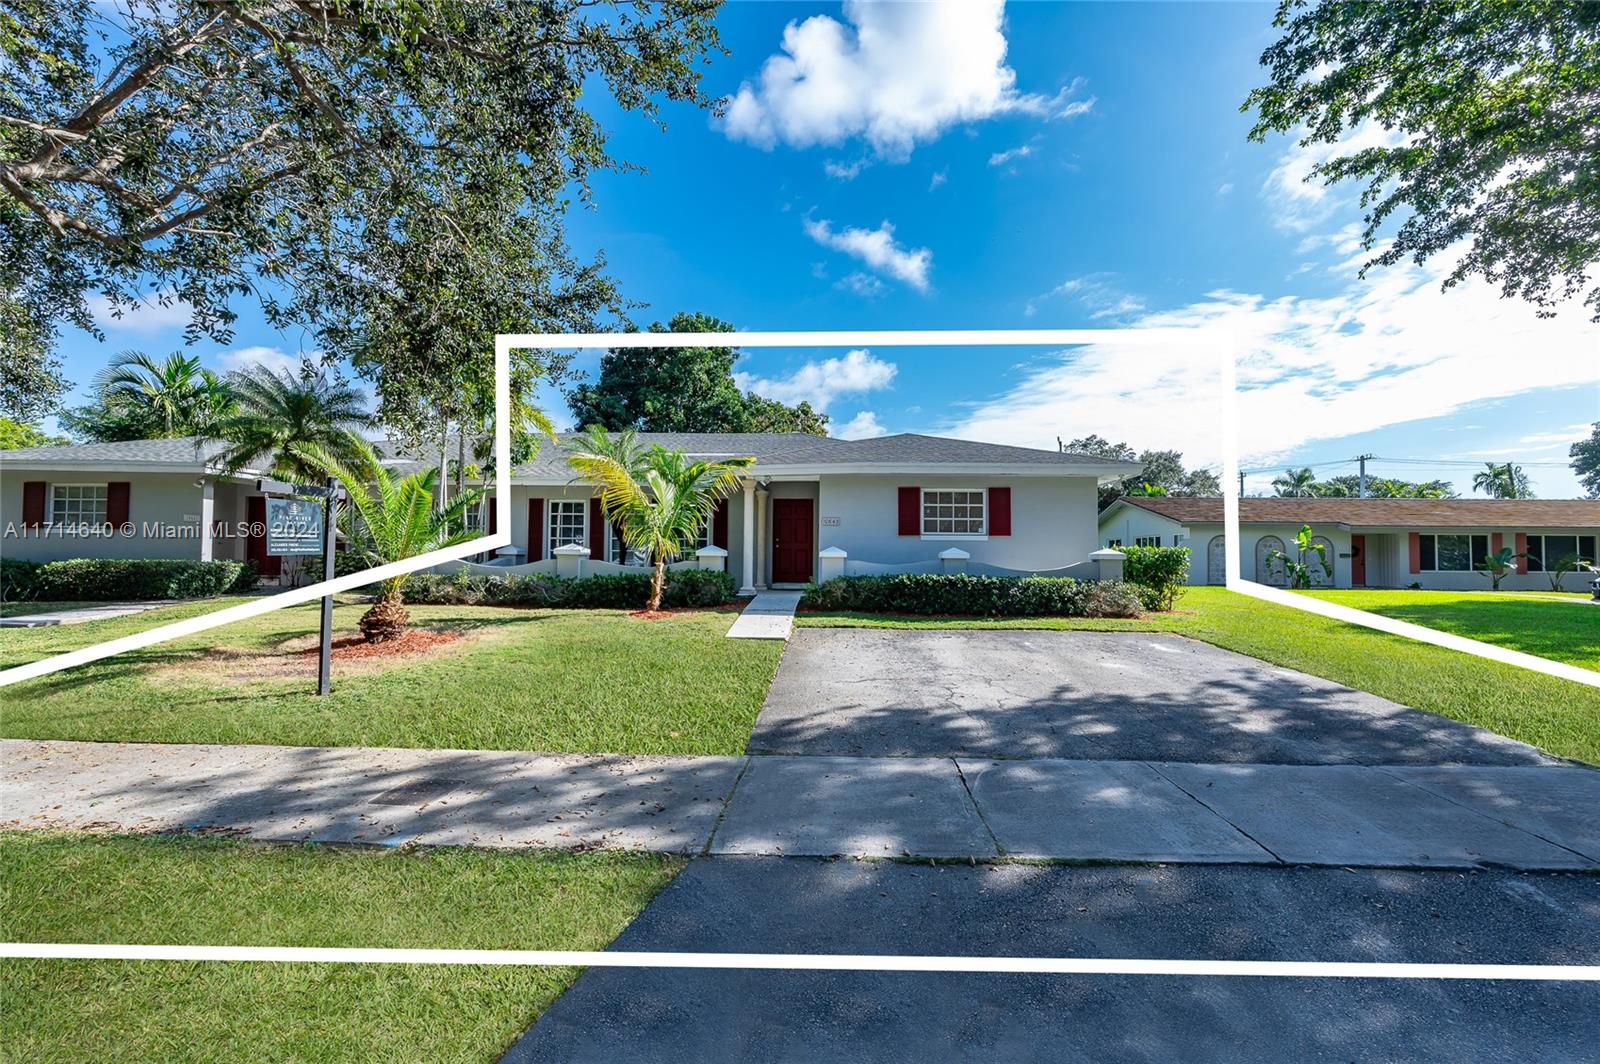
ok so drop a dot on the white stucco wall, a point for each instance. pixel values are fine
(1053, 520)
(1397, 561)
(153, 499)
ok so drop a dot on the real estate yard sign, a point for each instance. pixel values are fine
(294, 527)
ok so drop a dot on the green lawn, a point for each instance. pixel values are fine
(1557, 715)
(1566, 631)
(75, 888)
(581, 681)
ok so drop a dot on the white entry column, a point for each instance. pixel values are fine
(747, 585)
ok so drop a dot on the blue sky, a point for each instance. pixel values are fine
(1048, 165)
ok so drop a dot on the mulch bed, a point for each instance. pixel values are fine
(412, 641)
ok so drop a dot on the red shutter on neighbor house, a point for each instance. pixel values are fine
(597, 532)
(494, 516)
(999, 511)
(32, 503)
(1416, 552)
(719, 525)
(535, 530)
(1522, 553)
(911, 511)
(117, 498)
(1497, 542)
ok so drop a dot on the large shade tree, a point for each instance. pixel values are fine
(683, 389)
(1495, 145)
(1585, 455)
(1163, 472)
(315, 154)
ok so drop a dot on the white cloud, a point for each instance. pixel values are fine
(820, 383)
(844, 171)
(1225, 188)
(864, 426)
(274, 359)
(862, 284)
(938, 179)
(878, 249)
(1298, 205)
(1021, 151)
(894, 74)
(1380, 352)
(1093, 292)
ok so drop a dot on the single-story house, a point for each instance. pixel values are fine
(1434, 543)
(811, 507)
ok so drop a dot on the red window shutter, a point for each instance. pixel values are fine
(1416, 552)
(494, 517)
(1497, 543)
(117, 497)
(597, 532)
(535, 530)
(999, 511)
(1522, 553)
(719, 525)
(32, 503)
(911, 511)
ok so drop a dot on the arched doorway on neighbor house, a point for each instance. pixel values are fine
(1269, 571)
(1217, 560)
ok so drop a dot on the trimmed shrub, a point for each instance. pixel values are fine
(19, 580)
(619, 591)
(981, 596)
(1161, 574)
(344, 563)
(249, 576)
(111, 579)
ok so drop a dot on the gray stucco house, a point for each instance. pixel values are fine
(1433, 543)
(812, 507)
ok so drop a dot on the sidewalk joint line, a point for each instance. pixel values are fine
(1208, 808)
(973, 798)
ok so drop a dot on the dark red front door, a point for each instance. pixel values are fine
(1358, 561)
(791, 541)
(256, 544)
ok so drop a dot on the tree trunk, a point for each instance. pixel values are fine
(386, 619)
(657, 582)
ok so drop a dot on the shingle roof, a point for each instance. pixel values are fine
(1384, 513)
(185, 450)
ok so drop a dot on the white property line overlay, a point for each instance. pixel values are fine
(312, 592)
(820, 962)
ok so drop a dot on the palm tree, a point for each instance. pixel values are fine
(658, 499)
(280, 417)
(387, 520)
(1296, 483)
(184, 398)
(1148, 489)
(1506, 481)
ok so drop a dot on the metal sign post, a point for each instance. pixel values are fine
(325, 658)
(294, 527)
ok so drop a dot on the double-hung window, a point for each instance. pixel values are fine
(1546, 553)
(1147, 541)
(1451, 553)
(566, 521)
(954, 512)
(78, 505)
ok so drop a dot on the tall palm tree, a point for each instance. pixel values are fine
(658, 499)
(184, 398)
(280, 417)
(387, 520)
(1296, 483)
(1506, 481)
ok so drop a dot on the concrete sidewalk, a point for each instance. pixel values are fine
(1464, 816)
(48, 618)
(770, 615)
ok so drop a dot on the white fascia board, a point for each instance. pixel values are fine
(932, 469)
(110, 467)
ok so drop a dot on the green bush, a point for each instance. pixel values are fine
(112, 579)
(622, 591)
(1161, 574)
(249, 576)
(982, 596)
(344, 563)
(19, 580)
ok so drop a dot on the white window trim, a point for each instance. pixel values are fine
(50, 517)
(549, 520)
(922, 503)
(1544, 540)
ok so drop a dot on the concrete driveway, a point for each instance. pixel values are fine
(1133, 696)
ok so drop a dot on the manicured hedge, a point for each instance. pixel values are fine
(1161, 574)
(981, 596)
(627, 591)
(19, 580)
(114, 579)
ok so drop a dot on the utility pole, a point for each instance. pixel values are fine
(1361, 482)
(1241, 484)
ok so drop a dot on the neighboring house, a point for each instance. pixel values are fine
(809, 508)
(1436, 543)
(137, 499)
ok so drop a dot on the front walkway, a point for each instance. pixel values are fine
(770, 615)
(50, 618)
(1464, 816)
